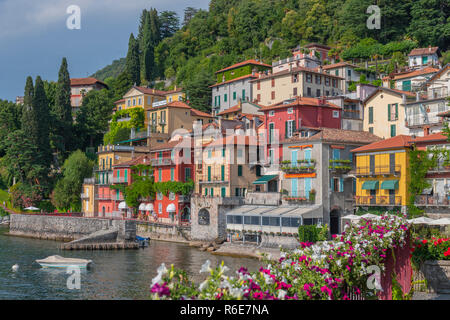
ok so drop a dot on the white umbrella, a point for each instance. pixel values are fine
(32, 209)
(369, 216)
(351, 217)
(421, 220)
(440, 222)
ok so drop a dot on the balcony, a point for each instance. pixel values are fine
(378, 170)
(351, 114)
(340, 166)
(299, 199)
(378, 200)
(432, 201)
(89, 181)
(214, 179)
(102, 168)
(442, 167)
(302, 166)
(84, 196)
(162, 162)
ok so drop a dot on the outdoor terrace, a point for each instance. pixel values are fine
(378, 170)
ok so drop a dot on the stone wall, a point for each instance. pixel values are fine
(67, 228)
(436, 275)
(163, 232)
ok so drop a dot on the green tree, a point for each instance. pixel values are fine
(62, 112)
(29, 125)
(133, 66)
(66, 194)
(169, 22)
(10, 121)
(41, 119)
(198, 91)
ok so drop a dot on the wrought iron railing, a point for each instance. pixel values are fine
(378, 200)
(378, 170)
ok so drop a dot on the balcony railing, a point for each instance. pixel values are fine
(119, 180)
(340, 165)
(432, 200)
(159, 103)
(378, 200)
(299, 199)
(302, 166)
(103, 197)
(351, 114)
(102, 168)
(441, 167)
(378, 170)
(84, 196)
(89, 181)
(162, 162)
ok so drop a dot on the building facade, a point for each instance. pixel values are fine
(422, 57)
(79, 87)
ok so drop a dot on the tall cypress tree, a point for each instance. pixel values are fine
(150, 39)
(63, 110)
(41, 115)
(132, 64)
(27, 113)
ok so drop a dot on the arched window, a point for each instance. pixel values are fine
(203, 217)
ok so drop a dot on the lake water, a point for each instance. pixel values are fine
(122, 274)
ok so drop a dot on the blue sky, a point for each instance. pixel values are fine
(34, 37)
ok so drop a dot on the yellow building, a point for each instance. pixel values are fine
(384, 112)
(225, 169)
(143, 97)
(382, 177)
(176, 94)
(88, 202)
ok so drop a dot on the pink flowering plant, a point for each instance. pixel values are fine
(324, 270)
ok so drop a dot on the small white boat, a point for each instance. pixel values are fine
(61, 262)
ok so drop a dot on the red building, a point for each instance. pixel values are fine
(284, 119)
(173, 161)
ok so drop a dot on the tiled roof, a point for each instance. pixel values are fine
(243, 63)
(183, 105)
(145, 159)
(151, 91)
(171, 144)
(388, 90)
(437, 74)
(422, 51)
(236, 140)
(416, 73)
(199, 113)
(85, 82)
(233, 80)
(337, 135)
(397, 142)
(119, 101)
(338, 65)
(315, 44)
(235, 108)
(302, 101)
(430, 138)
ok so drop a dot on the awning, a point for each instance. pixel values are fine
(142, 207)
(427, 191)
(149, 207)
(265, 179)
(389, 185)
(171, 208)
(123, 205)
(370, 185)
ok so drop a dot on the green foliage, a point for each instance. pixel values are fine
(120, 131)
(183, 188)
(113, 70)
(10, 120)
(133, 65)
(25, 195)
(445, 57)
(312, 233)
(66, 194)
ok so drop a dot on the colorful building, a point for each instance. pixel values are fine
(409, 80)
(382, 173)
(245, 107)
(422, 57)
(173, 161)
(438, 86)
(233, 84)
(350, 73)
(89, 203)
(384, 112)
(79, 87)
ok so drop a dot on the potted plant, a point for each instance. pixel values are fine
(312, 195)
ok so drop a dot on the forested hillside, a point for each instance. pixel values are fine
(234, 30)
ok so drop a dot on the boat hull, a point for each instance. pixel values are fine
(61, 262)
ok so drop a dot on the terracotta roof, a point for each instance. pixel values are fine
(151, 91)
(171, 144)
(243, 63)
(233, 80)
(251, 116)
(415, 73)
(174, 91)
(388, 90)
(397, 142)
(338, 135)
(422, 51)
(435, 137)
(199, 113)
(183, 105)
(302, 101)
(144, 159)
(119, 101)
(235, 108)
(85, 82)
(437, 74)
(337, 65)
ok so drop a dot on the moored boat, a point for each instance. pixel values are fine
(61, 262)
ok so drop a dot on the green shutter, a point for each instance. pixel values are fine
(223, 173)
(223, 192)
(393, 130)
(293, 127)
(286, 129)
(370, 114)
(389, 112)
(396, 111)
(239, 170)
(209, 173)
(206, 191)
(212, 192)
(225, 97)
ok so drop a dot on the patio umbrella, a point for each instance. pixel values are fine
(32, 209)
(369, 216)
(440, 222)
(421, 220)
(351, 217)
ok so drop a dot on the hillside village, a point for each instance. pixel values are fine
(286, 144)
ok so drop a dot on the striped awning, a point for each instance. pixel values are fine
(265, 179)
(389, 185)
(370, 185)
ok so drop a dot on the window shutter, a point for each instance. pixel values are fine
(389, 112)
(331, 184)
(286, 129)
(341, 184)
(293, 127)
(396, 111)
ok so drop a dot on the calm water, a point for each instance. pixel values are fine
(124, 274)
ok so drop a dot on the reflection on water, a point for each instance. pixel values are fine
(124, 274)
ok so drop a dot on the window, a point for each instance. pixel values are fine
(234, 95)
(337, 72)
(129, 102)
(225, 97)
(393, 130)
(222, 173)
(134, 102)
(371, 130)
(140, 101)
(290, 128)
(335, 114)
(271, 113)
(172, 174)
(308, 92)
(290, 110)
(160, 174)
(318, 93)
(239, 170)
(171, 196)
(273, 95)
(258, 85)
(295, 78)
(243, 94)
(271, 132)
(273, 82)
(370, 115)
(187, 174)
(294, 92)
(349, 72)
(160, 208)
(309, 77)
(318, 79)
(209, 173)
(212, 192)
(327, 81)
(258, 97)
(327, 93)
(223, 192)
(206, 191)
(209, 154)
(239, 153)
(393, 112)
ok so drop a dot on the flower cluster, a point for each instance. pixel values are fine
(430, 249)
(323, 270)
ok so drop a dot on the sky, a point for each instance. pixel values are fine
(34, 36)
